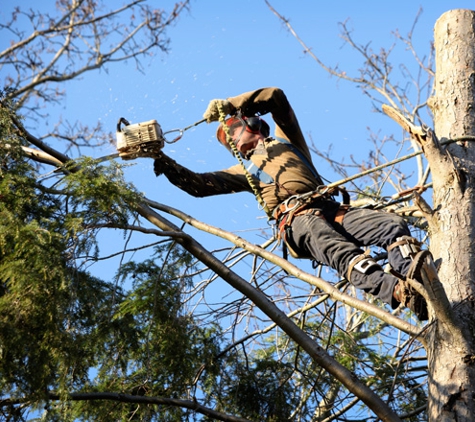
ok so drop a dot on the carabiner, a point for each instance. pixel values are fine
(291, 208)
(182, 131)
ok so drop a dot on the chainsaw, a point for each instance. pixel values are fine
(145, 139)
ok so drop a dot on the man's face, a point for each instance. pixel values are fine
(247, 141)
(246, 136)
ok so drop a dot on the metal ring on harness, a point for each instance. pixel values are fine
(288, 208)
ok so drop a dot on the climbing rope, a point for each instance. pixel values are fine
(409, 192)
(232, 144)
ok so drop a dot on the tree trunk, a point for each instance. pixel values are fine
(450, 337)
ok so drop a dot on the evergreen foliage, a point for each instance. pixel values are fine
(64, 330)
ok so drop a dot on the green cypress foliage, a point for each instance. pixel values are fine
(63, 330)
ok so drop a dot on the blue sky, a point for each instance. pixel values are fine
(220, 49)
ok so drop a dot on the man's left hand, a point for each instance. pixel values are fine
(212, 112)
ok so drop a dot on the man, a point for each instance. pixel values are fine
(280, 172)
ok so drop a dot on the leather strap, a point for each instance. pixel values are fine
(287, 218)
(405, 241)
(340, 214)
(355, 261)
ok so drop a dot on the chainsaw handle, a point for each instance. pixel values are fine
(124, 121)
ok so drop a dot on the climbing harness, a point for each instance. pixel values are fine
(259, 174)
(305, 204)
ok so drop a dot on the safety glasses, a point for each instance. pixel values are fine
(241, 124)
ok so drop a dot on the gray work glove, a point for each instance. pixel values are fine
(212, 112)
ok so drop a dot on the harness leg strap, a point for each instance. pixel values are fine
(362, 263)
(408, 245)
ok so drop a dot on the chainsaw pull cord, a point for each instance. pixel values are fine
(230, 141)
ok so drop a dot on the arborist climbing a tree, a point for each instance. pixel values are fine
(278, 169)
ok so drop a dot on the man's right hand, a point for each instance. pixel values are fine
(159, 164)
(212, 112)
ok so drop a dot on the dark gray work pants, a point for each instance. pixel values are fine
(336, 245)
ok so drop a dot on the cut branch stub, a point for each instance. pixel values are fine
(419, 133)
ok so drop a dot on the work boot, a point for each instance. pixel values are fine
(405, 294)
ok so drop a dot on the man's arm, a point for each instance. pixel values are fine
(201, 184)
(274, 101)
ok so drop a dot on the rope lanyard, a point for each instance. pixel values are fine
(230, 141)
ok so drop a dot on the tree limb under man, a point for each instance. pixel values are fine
(278, 169)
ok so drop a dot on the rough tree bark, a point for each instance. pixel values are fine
(450, 336)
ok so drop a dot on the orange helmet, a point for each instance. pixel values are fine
(239, 123)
